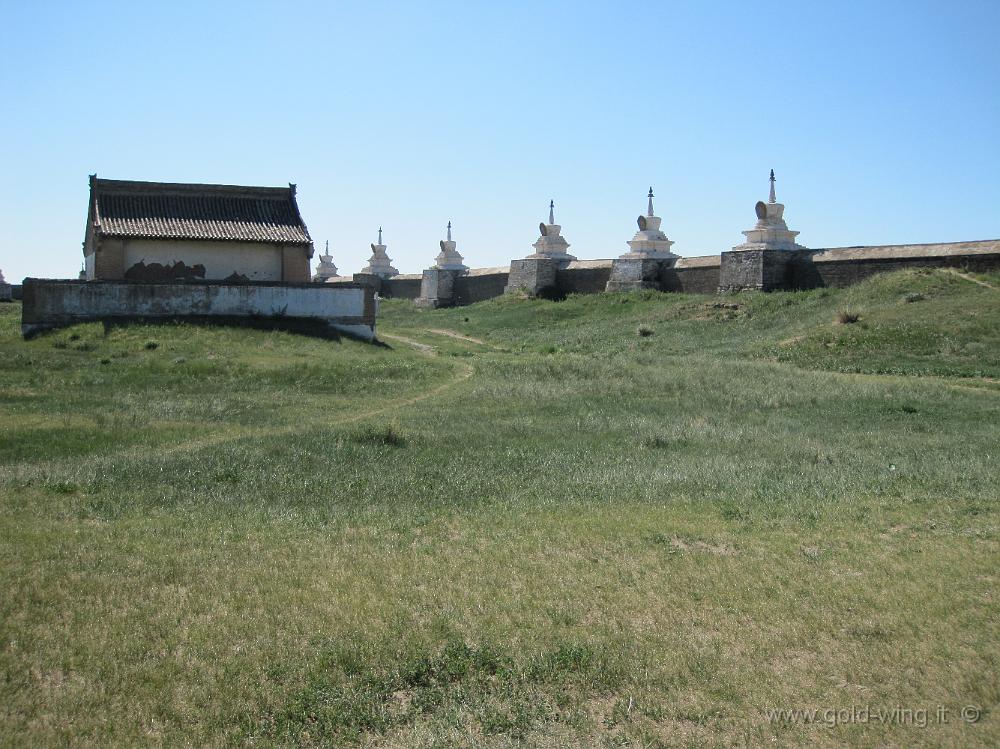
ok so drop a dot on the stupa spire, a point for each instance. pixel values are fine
(450, 258)
(770, 232)
(649, 243)
(551, 245)
(326, 267)
(380, 264)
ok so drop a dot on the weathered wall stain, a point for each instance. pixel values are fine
(177, 271)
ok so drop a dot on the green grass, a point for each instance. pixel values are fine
(568, 533)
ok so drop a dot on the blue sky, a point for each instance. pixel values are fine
(881, 119)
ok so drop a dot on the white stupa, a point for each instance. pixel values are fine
(379, 263)
(449, 258)
(649, 242)
(771, 231)
(551, 245)
(326, 269)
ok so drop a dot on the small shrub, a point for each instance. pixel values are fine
(645, 331)
(152, 345)
(105, 360)
(63, 487)
(655, 442)
(846, 317)
(386, 436)
(74, 337)
(913, 296)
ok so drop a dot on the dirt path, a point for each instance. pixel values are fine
(350, 417)
(424, 348)
(459, 336)
(973, 279)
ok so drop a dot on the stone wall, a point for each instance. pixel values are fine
(765, 270)
(692, 275)
(583, 277)
(404, 286)
(480, 284)
(761, 270)
(844, 266)
(316, 308)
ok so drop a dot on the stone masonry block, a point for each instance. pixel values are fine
(536, 276)
(633, 274)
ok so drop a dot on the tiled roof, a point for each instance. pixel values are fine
(163, 210)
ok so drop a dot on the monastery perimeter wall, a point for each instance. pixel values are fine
(730, 271)
(844, 266)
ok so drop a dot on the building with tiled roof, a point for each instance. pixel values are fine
(161, 231)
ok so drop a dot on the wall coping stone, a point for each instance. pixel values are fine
(704, 261)
(583, 264)
(897, 251)
(500, 269)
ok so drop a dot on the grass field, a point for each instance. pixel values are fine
(616, 520)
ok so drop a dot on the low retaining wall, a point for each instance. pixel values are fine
(316, 308)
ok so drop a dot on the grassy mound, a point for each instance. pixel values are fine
(643, 519)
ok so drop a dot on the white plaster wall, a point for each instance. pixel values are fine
(339, 307)
(258, 262)
(89, 263)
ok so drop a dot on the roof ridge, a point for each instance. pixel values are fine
(102, 184)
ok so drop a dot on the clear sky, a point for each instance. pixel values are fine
(881, 119)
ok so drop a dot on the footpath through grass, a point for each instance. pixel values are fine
(644, 519)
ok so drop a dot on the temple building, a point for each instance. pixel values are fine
(161, 231)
